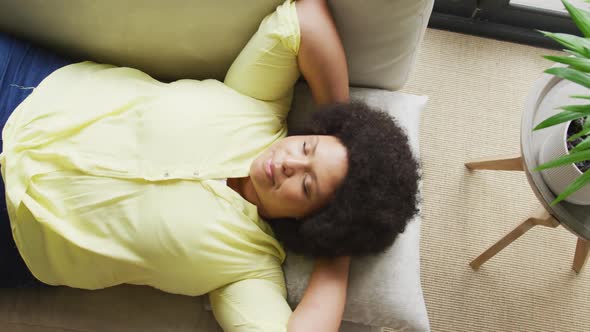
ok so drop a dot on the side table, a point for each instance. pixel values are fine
(548, 93)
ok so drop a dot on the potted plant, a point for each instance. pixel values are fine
(569, 171)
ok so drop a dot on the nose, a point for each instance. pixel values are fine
(292, 165)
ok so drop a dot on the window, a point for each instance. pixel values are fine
(512, 20)
(547, 5)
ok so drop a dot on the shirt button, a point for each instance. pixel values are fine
(196, 173)
(166, 174)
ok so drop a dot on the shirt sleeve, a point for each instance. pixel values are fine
(251, 305)
(267, 69)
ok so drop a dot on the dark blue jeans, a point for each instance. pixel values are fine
(22, 67)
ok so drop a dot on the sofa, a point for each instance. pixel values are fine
(198, 39)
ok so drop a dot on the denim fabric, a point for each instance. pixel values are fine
(22, 67)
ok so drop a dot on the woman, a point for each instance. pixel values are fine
(112, 177)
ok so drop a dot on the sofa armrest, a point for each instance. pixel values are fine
(199, 39)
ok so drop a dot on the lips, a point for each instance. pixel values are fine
(269, 171)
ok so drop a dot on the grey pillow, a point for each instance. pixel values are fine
(383, 290)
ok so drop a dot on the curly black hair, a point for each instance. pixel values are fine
(377, 197)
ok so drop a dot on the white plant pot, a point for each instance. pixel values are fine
(558, 178)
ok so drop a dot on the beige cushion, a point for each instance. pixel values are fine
(380, 38)
(200, 38)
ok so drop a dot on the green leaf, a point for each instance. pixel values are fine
(582, 64)
(561, 117)
(585, 144)
(579, 134)
(564, 160)
(578, 183)
(579, 55)
(585, 130)
(579, 45)
(580, 17)
(584, 108)
(571, 74)
(580, 96)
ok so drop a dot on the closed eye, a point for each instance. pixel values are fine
(305, 189)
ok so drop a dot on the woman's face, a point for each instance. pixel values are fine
(298, 175)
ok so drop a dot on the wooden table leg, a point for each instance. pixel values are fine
(539, 217)
(581, 256)
(499, 163)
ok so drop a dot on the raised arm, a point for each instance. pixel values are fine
(321, 57)
(323, 302)
(295, 38)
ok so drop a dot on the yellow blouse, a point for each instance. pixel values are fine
(112, 177)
